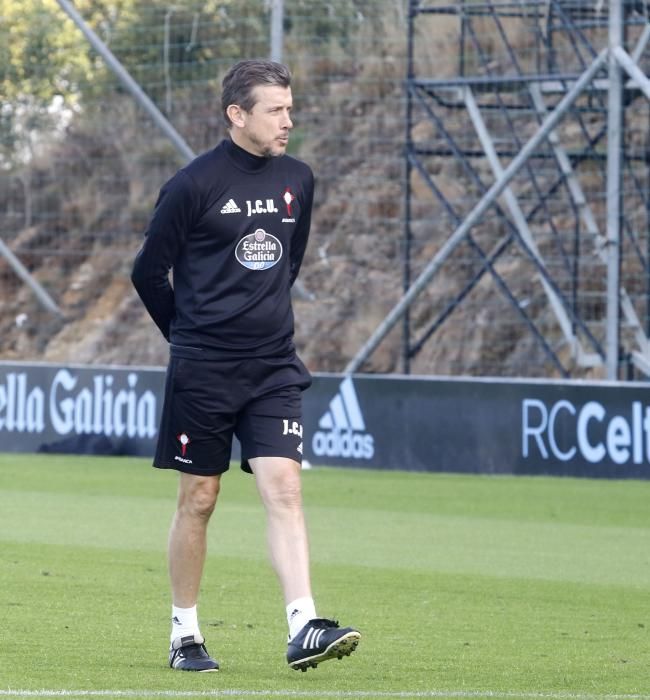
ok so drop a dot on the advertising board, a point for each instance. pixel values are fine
(473, 425)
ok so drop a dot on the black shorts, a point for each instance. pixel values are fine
(208, 401)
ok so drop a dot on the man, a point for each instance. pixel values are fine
(233, 226)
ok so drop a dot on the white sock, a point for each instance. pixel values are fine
(184, 622)
(299, 612)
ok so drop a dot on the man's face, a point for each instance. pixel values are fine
(264, 131)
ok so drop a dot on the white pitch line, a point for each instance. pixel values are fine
(321, 694)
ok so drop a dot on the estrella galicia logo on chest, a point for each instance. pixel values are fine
(258, 250)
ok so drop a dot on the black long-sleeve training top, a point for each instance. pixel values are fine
(233, 229)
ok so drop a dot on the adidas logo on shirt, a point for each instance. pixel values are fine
(230, 207)
(342, 428)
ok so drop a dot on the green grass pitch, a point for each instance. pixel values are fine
(462, 586)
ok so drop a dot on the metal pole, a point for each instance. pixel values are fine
(179, 143)
(639, 78)
(614, 125)
(277, 30)
(25, 275)
(408, 170)
(474, 216)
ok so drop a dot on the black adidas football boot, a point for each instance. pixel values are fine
(189, 654)
(320, 640)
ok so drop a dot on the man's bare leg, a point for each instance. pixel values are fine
(197, 496)
(312, 639)
(279, 485)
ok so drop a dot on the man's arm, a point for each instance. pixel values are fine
(301, 232)
(166, 234)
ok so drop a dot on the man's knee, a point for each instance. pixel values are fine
(279, 482)
(197, 495)
(287, 494)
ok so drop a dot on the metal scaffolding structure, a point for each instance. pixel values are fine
(540, 98)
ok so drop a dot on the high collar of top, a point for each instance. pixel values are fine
(245, 160)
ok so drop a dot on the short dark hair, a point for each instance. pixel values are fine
(239, 81)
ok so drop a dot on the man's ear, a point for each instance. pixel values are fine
(236, 115)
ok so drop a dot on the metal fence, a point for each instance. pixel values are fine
(542, 117)
(399, 165)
